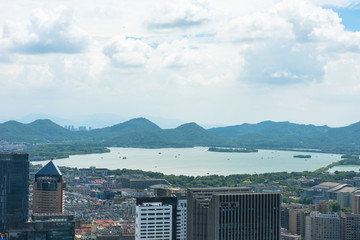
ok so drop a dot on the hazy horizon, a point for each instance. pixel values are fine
(216, 63)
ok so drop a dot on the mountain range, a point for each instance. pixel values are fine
(140, 132)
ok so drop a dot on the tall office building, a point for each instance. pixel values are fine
(322, 226)
(153, 212)
(356, 203)
(350, 223)
(48, 194)
(154, 221)
(297, 219)
(14, 187)
(181, 219)
(232, 213)
(155, 218)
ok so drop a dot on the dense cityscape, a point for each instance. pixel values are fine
(51, 202)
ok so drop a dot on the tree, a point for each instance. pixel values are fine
(334, 206)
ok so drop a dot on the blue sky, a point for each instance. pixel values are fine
(350, 17)
(214, 62)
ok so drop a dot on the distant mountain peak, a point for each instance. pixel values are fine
(191, 125)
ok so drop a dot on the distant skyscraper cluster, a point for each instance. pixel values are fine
(80, 128)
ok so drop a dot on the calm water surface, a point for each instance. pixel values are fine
(198, 161)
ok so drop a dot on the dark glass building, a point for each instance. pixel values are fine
(245, 216)
(46, 227)
(232, 214)
(14, 188)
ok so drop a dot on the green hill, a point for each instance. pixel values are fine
(289, 135)
(140, 132)
(39, 131)
(187, 135)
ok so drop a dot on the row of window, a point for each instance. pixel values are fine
(153, 230)
(144, 214)
(158, 218)
(157, 225)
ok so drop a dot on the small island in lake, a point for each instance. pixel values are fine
(302, 156)
(236, 150)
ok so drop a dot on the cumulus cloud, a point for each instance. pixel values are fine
(289, 43)
(45, 32)
(183, 14)
(128, 52)
(177, 54)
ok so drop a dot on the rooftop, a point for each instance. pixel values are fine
(49, 169)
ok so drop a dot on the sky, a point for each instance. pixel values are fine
(222, 62)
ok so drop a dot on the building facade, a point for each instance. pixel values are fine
(350, 223)
(150, 218)
(323, 226)
(154, 221)
(232, 213)
(356, 203)
(181, 219)
(297, 218)
(249, 216)
(14, 188)
(48, 193)
(46, 227)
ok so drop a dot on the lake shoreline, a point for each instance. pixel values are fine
(198, 161)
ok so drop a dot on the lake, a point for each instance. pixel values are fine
(198, 161)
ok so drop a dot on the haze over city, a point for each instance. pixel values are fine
(211, 62)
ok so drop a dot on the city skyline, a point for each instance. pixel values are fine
(228, 62)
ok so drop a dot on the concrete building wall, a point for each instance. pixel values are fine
(153, 221)
(350, 223)
(323, 227)
(181, 220)
(46, 201)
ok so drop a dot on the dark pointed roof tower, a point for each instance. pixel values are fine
(48, 192)
(49, 169)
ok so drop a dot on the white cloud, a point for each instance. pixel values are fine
(128, 52)
(182, 14)
(45, 32)
(177, 54)
(286, 57)
(289, 43)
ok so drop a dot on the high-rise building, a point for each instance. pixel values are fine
(244, 216)
(46, 227)
(232, 213)
(154, 220)
(145, 216)
(181, 219)
(356, 203)
(14, 187)
(181, 208)
(322, 226)
(48, 194)
(350, 223)
(297, 219)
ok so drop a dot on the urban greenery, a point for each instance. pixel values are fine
(56, 151)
